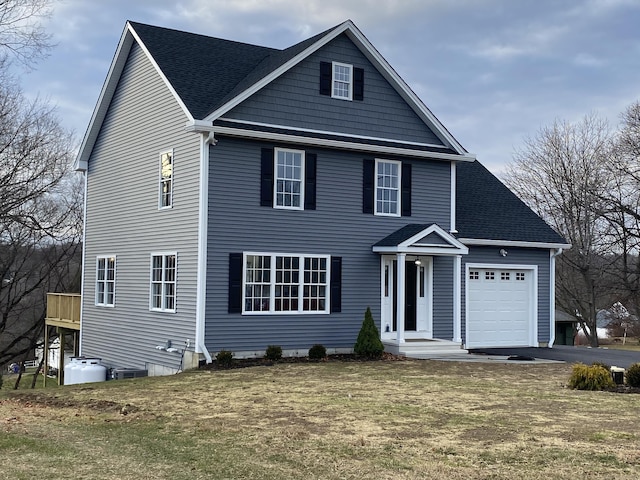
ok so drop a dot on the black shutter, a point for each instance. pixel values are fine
(310, 181)
(406, 190)
(368, 180)
(336, 284)
(235, 283)
(325, 78)
(266, 178)
(358, 84)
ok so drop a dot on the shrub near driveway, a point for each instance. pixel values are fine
(329, 420)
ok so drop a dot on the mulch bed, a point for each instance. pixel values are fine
(263, 362)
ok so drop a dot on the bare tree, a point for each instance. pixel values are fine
(22, 35)
(562, 173)
(40, 199)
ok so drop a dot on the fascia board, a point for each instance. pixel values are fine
(104, 99)
(402, 88)
(437, 251)
(277, 72)
(129, 35)
(512, 243)
(375, 57)
(427, 231)
(319, 142)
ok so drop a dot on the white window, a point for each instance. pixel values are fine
(474, 275)
(279, 283)
(505, 276)
(166, 179)
(388, 187)
(342, 81)
(489, 275)
(163, 282)
(289, 181)
(520, 276)
(106, 281)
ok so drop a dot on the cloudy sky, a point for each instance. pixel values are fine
(493, 71)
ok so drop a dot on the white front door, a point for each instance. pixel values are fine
(417, 299)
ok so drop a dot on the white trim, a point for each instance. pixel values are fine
(400, 295)
(410, 246)
(175, 282)
(511, 243)
(203, 221)
(378, 61)
(398, 188)
(105, 281)
(326, 132)
(276, 150)
(84, 258)
(533, 327)
(457, 299)
(301, 283)
(320, 142)
(349, 96)
(552, 295)
(452, 193)
(161, 178)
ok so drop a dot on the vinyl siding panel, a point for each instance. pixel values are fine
(516, 256)
(294, 100)
(123, 219)
(443, 298)
(237, 223)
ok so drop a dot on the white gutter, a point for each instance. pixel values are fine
(552, 294)
(203, 221)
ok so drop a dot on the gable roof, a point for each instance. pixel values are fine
(487, 211)
(421, 239)
(209, 76)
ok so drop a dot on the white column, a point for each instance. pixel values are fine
(400, 297)
(457, 298)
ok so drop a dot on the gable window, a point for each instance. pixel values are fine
(387, 187)
(342, 81)
(163, 282)
(166, 179)
(289, 185)
(278, 283)
(106, 281)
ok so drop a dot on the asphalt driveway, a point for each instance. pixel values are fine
(563, 353)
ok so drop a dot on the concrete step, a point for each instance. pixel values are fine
(425, 349)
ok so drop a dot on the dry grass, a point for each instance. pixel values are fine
(383, 420)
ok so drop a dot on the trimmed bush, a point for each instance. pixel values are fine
(594, 377)
(224, 358)
(273, 352)
(633, 375)
(317, 352)
(368, 343)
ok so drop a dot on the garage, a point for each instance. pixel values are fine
(501, 306)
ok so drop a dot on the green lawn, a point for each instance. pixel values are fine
(382, 420)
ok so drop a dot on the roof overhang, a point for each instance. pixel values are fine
(417, 244)
(513, 243)
(346, 142)
(375, 58)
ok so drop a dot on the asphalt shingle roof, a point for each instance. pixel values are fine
(206, 72)
(486, 209)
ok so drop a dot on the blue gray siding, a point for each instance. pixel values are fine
(516, 256)
(123, 219)
(294, 100)
(237, 223)
(443, 298)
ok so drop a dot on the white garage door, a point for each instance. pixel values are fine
(499, 307)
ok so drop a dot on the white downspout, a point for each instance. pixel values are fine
(84, 258)
(203, 221)
(552, 294)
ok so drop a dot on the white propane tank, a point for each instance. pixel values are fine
(72, 371)
(92, 371)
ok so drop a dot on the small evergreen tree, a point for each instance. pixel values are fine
(368, 343)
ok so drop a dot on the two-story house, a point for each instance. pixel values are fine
(239, 196)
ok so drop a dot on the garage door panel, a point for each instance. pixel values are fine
(500, 310)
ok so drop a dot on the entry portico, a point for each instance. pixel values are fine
(407, 281)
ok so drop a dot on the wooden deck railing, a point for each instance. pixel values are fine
(63, 310)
